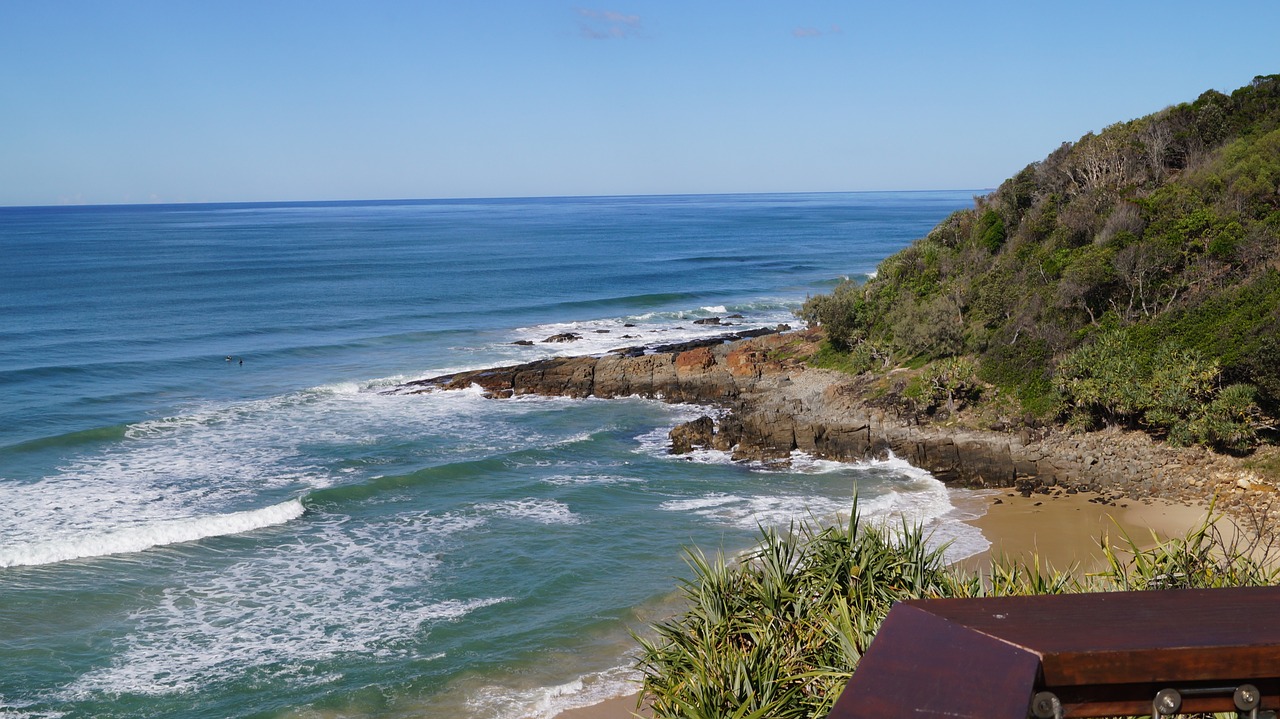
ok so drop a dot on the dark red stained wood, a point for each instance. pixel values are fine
(922, 665)
(1102, 654)
(1133, 637)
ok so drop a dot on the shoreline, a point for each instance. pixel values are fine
(1061, 530)
(615, 708)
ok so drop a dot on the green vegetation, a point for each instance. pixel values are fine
(859, 359)
(1172, 391)
(778, 633)
(1266, 464)
(1153, 242)
(947, 384)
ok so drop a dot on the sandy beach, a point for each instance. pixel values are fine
(1061, 530)
(1066, 530)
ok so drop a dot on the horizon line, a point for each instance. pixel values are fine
(411, 200)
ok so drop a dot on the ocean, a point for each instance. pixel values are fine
(211, 507)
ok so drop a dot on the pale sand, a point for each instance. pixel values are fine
(1066, 530)
(1063, 530)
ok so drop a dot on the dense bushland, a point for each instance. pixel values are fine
(779, 632)
(1144, 259)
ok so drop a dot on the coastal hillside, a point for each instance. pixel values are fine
(1131, 278)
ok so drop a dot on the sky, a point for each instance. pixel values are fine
(122, 101)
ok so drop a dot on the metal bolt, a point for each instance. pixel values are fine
(1247, 697)
(1167, 702)
(1045, 705)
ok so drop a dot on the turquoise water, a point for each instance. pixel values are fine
(270, 535)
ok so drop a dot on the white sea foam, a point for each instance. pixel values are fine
(602, 335)
(395, 384)
(657, 442)
(544, 511)
(924, 500)
(196, 474)
(750, 512)
(145, 536)
(550, 701)
(169, 480)
(902, 494)
(778, 511)
(21, 711)
(962, 539)
(562, 480)
(699, 504)
(339, 589)
(802, 463)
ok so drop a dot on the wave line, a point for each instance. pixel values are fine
(137, 539)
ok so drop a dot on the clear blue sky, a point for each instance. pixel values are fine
(107, 101)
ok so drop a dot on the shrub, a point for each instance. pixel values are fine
(950, 383)
(779, 632)
(842, 314)
(989, 232)
(1238, 326)
(1099, 381)
(927, 329)
(1231, 420)
(1173, 391)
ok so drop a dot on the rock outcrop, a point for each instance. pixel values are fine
(770, 406)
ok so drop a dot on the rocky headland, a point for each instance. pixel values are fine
(769, 403)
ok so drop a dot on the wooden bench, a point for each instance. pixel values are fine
(1151, 653)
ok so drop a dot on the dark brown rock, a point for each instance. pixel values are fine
(698, 434)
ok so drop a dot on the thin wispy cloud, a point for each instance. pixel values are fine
(607, 24)
(808, 32)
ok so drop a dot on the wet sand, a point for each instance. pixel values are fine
(620, 708)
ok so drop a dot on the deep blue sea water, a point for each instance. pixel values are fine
(208, 508)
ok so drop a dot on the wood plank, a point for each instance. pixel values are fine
(1133, 637)
(923, 665)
